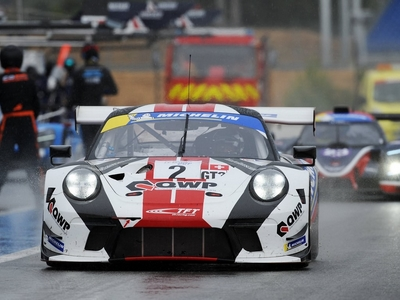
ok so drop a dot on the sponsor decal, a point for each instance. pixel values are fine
(214, 171)
(140, 117)
(56, 243)
(243, 164)
(232, 118)
(118, 6)
(283, 227)
(199, 115)
(329, 152)
(295, 243)
(181, 212)
(15, 78)
(219, 167)
(211, 174)
(57, 216)
(171, 202)
(170, 185)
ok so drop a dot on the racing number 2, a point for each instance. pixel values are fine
(177, 169)
(175, 174)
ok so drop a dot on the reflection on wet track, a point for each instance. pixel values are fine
(19, 231)
(20, 215)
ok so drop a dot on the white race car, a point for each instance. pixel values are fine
(195, 183)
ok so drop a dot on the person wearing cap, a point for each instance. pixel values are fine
(91, 83)
(20, 107)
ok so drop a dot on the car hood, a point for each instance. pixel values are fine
(208, 175)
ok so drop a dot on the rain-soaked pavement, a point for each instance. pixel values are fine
(20, 215)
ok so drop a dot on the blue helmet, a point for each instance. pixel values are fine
(69, 63)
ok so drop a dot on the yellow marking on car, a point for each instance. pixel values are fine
(115, 122)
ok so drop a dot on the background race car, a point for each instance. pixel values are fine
(57, 133)
(349, 146)
(188, 183)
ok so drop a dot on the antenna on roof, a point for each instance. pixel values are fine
(190, 65)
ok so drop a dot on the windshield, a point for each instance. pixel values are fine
(387, 91)
(348, 134)
(215, 61)
(166, 137)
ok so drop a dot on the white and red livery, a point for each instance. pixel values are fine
(172, 182)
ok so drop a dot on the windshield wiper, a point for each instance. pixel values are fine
(182, 144)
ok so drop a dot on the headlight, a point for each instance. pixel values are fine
(393, 168)
(269, 185)
(81, 184)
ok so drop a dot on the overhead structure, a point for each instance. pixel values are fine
(110, 20)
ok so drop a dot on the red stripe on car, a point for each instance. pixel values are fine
(161, 107)
(209, 107)
(173, 207)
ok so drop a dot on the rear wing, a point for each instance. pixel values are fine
(287, 115)
(276, 115)
(388, 117)
(93, 115)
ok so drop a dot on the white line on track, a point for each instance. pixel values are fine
(19, 254)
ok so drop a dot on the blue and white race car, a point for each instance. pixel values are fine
(57, 134)
(188, 183)
(349, 147)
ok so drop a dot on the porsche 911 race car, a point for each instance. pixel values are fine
(191, 183)
(349, 146)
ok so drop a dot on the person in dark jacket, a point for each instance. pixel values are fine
(91, 83)
(20, 107)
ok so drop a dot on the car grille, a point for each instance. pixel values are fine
(173, 242)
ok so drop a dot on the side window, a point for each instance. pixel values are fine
(261, 146)
(105, 147)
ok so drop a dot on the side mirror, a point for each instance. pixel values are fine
(59, 151)
(305, 152)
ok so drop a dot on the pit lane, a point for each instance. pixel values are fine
(358, 259)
